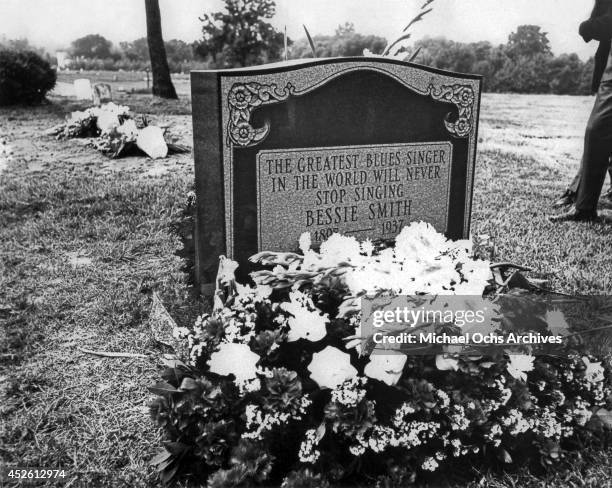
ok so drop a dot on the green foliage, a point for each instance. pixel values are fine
(524, 65)
(178, 51)
(137, 50)
(135, 55)
(241, 35)
(566, 73)
(529, 41)
(21, 44)
(304, 478)
(291, 422)
(92, 46)
(344, 42)
(525, 74)
(25, 77)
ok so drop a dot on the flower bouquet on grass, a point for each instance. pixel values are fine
(280, 388)
(116, 132)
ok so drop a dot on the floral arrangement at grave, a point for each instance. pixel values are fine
(117, 132)
(279, 388)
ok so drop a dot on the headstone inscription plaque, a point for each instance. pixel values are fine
(360, 146)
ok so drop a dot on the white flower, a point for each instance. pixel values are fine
(446, 363)
(386, 367)
(305, 242)
(556, 322)
(520, 365)
(430, 464)
(307, 321)
(308, 453)
(594, 372)
(236, 359)
(257, 294)
(357, 450)
(367, 247)
(443, 397)
(420, 241)
(331, 367)
(107, 121)
(129, 129)
(180, 332)
(79, 116)
(349, 393)
(110, 108)
(477, 274)
(339, 248)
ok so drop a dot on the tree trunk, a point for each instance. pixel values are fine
(162, 84)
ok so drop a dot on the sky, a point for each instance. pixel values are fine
(55, 23)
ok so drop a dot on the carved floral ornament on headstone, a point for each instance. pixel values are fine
(244, 98)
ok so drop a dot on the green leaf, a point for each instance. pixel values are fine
(160, 457)
(176, 448)
(162, 388)
(167, 475)
(413, 56)
(320, 432)
(504, 456)
(173, 363)
(189, 384)
(605, 417)
(418, 18)
(310, 41)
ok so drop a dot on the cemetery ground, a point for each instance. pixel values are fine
(84, 240)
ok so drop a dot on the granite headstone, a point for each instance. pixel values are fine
(360, 146)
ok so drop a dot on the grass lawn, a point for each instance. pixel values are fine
(84, 240)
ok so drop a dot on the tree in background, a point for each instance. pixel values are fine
(21, 44)
(524, 74)
(240, 36)
(179, 51)
(137, 50)
(566, 74)
(92, 46)
(528, 41)
(525, 64)
(162, 83)
(344, 42)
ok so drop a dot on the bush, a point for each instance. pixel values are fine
(25, 77)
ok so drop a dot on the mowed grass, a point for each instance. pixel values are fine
(84, 241)
(530, 148)
(81, 249)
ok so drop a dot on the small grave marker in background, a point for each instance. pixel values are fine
(82, 89)
(102, 93)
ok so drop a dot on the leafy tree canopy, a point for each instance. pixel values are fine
(92, 46)
(345, 42)
(530, 41)
(241, 35)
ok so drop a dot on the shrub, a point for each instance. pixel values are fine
(25, 77)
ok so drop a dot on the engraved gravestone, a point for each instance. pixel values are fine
(102, 93)
(360, 146)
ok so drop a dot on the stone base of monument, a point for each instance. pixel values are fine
(358, 146)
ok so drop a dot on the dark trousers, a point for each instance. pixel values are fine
(573, 187)
(597, 150)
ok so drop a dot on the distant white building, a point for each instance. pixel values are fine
(63, 59)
